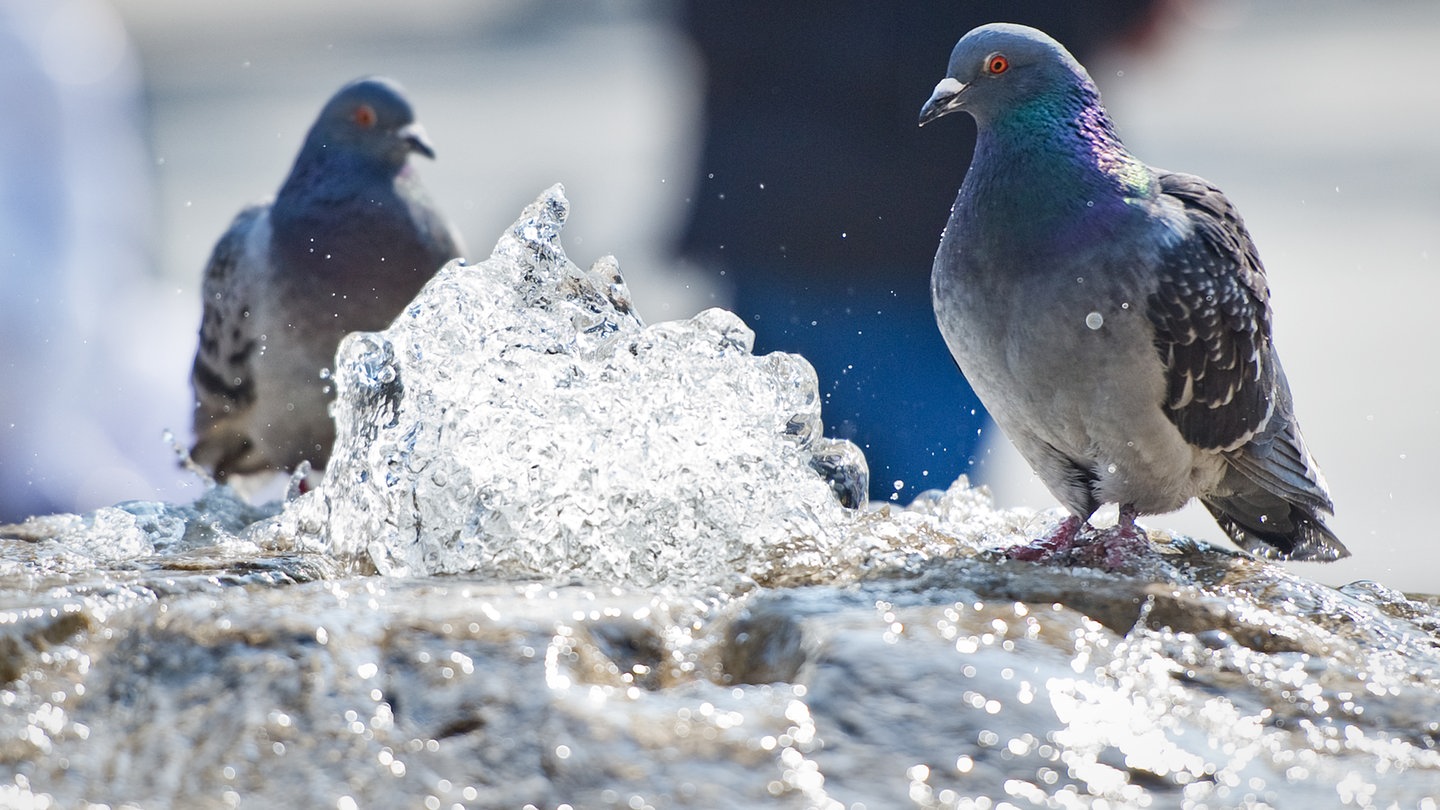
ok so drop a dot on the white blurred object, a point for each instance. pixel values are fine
(92, 374)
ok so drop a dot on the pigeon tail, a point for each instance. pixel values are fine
(1270, 527)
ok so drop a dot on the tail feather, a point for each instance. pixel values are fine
(1269, 526)
(1273, 497)
(1278, 462)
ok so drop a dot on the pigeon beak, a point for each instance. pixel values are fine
(945, 100)
(415, 138)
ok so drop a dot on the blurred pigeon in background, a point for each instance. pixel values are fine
(1114, 318)
(348, 241)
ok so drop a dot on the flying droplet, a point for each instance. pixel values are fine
(1094, 320)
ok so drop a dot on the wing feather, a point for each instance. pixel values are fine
(1211, 315)
(222, 376)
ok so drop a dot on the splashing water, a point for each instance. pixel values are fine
(519, 419)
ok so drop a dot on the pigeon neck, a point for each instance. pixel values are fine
(320, 165)
(336, 211)
(1055, 159)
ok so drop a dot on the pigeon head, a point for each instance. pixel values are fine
(371, 118)
(1002, 68)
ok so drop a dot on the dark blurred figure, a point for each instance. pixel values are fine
(822, 203)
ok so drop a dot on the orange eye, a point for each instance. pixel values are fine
(996, 63)
(364, 116)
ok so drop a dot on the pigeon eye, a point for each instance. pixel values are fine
(996, 63)
(364, 116)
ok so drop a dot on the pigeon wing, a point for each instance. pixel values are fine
(1225, 388)
(1211, 314)
(222, 375)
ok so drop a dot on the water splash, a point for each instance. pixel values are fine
(518, 418)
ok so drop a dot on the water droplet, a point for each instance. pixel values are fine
(1094, 320)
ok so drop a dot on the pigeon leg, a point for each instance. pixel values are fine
(1120, 547)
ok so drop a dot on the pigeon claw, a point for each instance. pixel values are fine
(1059, 544)
(1075, 542)
(1120, 548)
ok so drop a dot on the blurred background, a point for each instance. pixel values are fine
(744, 155)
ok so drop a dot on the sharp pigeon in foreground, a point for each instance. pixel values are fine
(349, 240)
(1113, 317)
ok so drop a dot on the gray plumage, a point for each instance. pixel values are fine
(1114, 318)
(348, 241)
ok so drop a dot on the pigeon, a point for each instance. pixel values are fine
(1113, 317)
(347, 242)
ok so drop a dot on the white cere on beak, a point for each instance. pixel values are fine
(947, 87)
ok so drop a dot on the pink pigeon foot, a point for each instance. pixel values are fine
(1058, 544)
(1116, 548)
(1073, 542)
